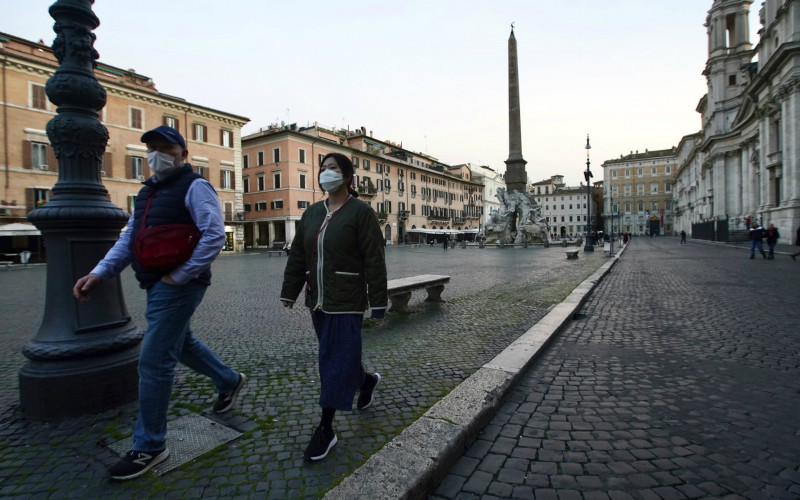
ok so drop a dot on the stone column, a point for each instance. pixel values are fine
(84, 358)
(288, 227)
(516, 177)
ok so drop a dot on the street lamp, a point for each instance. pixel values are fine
(588, 247)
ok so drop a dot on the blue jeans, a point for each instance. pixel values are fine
(771, 253)
(756, 244)
(169, 339)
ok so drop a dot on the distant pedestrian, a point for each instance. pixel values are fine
(175, 195)
(772, 240)
(337, 257)
(445, 243)
(796, 242)
(756, 237)
(683, 237)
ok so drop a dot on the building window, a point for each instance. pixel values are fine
(261, 206)
(378, 167)
(301, 155)
(654, 206)
(302, 181)
(640, 189)
(302, 204)
(228, 212)
(199, 132)
(246, 184)
(276, 155)
(137, 167)
(387, 170)
(355, 161)
(627, 173)
(640, 206)
(653, 188)
(654, 171)
(614, 208)
(613, 174)
(276, 205)
(365, 164)
(171, 121)
(668, 169)
(321, 156)
(276, 180)
(668, 187)
(628, 207)
(259, 158)
(227, 138)
(38, 96)
(137, 118)
(260, 182)
(202, 170)
(245, 161)
(39, 156)
(227, 179)
(40, 197)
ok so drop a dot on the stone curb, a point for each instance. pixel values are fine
(413, 463)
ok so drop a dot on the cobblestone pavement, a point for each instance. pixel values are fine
(494, 296)
(679, 379)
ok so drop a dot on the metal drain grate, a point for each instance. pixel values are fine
(188, 437)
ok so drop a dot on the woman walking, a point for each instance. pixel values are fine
(337, 257)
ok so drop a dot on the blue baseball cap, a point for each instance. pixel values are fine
(163, 132)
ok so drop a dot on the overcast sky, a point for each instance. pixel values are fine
(431, 74)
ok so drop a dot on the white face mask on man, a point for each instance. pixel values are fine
(162, 163)
(330, 180)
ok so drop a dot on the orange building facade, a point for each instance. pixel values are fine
(134, 105)
(416, 197)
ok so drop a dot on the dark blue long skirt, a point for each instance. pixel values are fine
(340, 370)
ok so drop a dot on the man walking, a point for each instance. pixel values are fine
(683, 237)
(174, 195)
(756, 237)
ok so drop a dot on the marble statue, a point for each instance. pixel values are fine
(518, 221)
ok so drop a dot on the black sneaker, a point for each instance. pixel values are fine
(367, 394)
(321, 443)
(136, 463)
(228, 399)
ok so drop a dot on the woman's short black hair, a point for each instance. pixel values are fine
(346, 166)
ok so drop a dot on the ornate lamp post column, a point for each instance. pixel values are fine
(588, 247)
(84, 357)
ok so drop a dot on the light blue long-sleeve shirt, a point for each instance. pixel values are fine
(203, 205)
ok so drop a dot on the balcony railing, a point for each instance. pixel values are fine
(402, 214)
(367, 190)
(459, 220)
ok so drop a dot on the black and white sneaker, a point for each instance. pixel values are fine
(135, 463)
(367, 393)
(226, 400)
(321, 443)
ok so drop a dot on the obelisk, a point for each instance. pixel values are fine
(516, 177)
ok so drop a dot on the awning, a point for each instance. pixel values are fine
(442, 231)
(375, 144)
(17, 229)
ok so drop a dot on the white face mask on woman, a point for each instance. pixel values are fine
(162, 163)
(330, 180)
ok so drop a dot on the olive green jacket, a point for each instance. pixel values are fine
(338, 259)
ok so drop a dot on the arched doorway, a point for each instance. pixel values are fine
(387, 233)
(401, 234)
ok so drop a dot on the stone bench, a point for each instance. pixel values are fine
(399, 290)
(572, 254)
(277, 249)
(6, 264)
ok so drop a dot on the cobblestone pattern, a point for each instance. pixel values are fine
(493, 297)
(679, 380)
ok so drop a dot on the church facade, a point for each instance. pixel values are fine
(744, 164)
